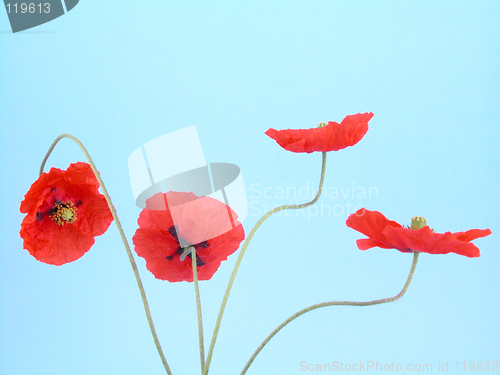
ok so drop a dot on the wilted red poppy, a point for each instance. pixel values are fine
(388, 234)
(65, 211)
(330, 137)
(174, 222)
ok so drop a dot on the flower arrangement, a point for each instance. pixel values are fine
(185, 237)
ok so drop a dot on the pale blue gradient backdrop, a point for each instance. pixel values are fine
(118, 74)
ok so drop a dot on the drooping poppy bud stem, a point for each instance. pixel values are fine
(69, 214)
(418, 222)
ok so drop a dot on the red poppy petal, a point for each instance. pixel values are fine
(177, 198)
(176, 270)
(368, 243)
(447, 243)
(334, 136)
(295, 140)
(155, 219)
(371, 224)
(153, 243)
(156, 215)
(94, 216)
(224, 245)
(173, 269)
(319, 139)
(290, 139)
(407, 240)
(162, 269)
(354, 128)
(307, 143)
(54, 244)
(472, 234)
(207, 271)
(82, 174)
(203, 219)
(424, 240)
(37, 192)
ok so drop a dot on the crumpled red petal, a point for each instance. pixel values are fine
(424, 240)
(371, 224)
(332, 137)
(472, 234)
(51, 244)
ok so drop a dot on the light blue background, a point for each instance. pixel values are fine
(117, 74)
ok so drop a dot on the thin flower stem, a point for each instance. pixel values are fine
(198, 308)
(122, 234)
(242, 253)
(333, 303)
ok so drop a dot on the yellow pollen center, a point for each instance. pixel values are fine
(64, 213)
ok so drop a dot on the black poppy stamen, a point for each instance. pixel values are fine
(63, 213)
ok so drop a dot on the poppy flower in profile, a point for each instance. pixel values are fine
(326, 137)
(388, 234)
(175, 222)
(65, 211)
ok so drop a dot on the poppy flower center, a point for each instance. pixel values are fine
(63, 213)
(186, 251)
(418, 222)
(322, 124)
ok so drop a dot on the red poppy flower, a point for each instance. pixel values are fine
(388, 234)
(65, 211)
(174, 222)
(331, 137)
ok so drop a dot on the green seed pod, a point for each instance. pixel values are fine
(418, 222)
(322, 124)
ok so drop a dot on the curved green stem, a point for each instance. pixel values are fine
(122, 234)
(198, 308)
(242, 253)
(333, 303)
